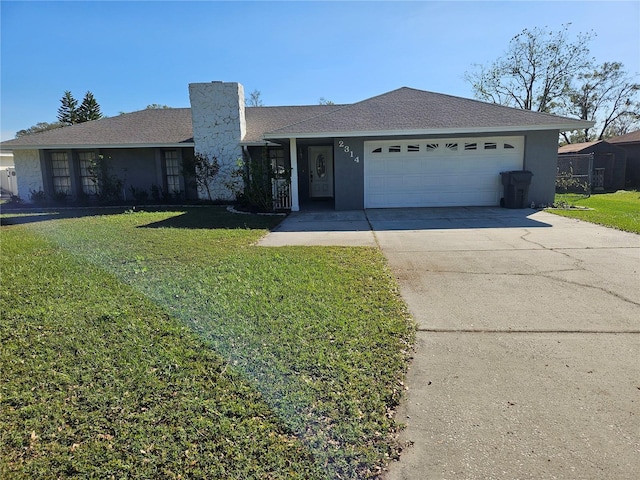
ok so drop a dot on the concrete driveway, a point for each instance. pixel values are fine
(527, 361)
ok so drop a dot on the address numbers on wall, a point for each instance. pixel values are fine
(347, 150)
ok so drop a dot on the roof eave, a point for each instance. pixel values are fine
(258, 143)
(433, 131)
(94, 146)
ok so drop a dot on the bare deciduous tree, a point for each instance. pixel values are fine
(535, 72)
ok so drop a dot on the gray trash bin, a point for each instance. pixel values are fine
(516, 188)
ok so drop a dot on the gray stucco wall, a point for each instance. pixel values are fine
(141, 168)
(303, 174)
(135, 167)
(348, 157)
(541, 158)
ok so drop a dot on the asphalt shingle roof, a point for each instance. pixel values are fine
(408, 109)
(576, 147)
(266, 119)
(170, 126)
(404, 110)
(630, 137)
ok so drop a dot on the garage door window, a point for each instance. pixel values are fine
(470, 146)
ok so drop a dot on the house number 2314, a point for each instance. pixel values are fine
(347, 150)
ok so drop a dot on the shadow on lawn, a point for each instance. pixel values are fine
(209, 217)
(33, 215)
(216, 219)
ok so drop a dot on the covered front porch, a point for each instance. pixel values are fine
(303, 173)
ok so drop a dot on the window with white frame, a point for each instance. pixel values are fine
(60, 173)
(172, 167)
(88, 173)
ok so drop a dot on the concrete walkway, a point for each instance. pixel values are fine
(527, 361)
(349, 228)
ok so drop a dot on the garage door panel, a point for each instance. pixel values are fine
(454, 182)
(411, 165)
(378, 168)
(439, 176)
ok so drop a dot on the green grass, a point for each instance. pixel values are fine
(619, 210)
(166, 345)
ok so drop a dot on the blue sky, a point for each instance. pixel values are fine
(132, 54)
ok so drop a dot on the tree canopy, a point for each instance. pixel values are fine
(254, 99)
(607, 94)
(38, 127)
(70, 113)
(553, 72)
(89, 109)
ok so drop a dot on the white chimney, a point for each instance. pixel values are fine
(219, 125)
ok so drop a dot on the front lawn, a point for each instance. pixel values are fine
(166, 345)
(619, 210)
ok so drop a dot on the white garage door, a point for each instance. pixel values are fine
(439, 172)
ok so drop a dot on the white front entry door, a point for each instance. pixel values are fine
(321, 172)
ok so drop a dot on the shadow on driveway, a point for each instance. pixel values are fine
(445, 218)
(357, 227)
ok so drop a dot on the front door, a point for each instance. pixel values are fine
(321, 172)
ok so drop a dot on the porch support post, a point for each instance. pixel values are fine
(293, 155)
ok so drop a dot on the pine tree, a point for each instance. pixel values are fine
(68, 111)
(89, 109)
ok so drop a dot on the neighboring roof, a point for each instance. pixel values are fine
(576, 147)
(408, 111)
(151, 127)
(631, 137)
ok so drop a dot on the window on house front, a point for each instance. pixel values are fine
(172, 167)
(88, 173)
(276, 159)
(60, 173)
